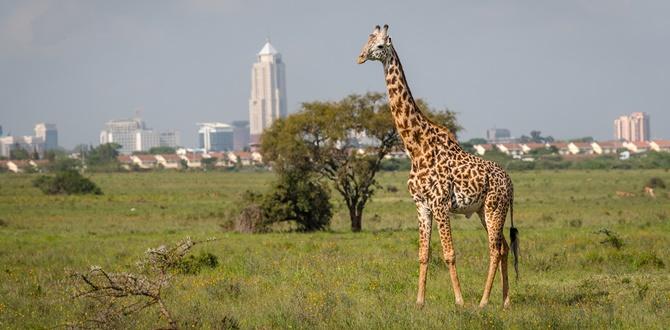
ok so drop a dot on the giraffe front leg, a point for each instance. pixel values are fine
(442, 217)
(425, 227)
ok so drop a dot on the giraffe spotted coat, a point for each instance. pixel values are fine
(444, 179)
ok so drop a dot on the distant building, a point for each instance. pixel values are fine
(268, 91)
(498, 135)
(215, 137)
(634, 127)
(49, 134)
(122, 132)
(30, 144)
(0, 130)
(169, 139)
(133, 135)
(240, 135)
(146, 139)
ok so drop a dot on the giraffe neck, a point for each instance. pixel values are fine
(411, 124)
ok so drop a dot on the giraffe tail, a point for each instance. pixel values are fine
(514, 238)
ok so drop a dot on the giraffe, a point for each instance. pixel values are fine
(444, 179)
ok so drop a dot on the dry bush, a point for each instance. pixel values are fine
(251, 220)
(114, 296)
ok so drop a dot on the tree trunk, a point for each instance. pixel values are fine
(356, 220)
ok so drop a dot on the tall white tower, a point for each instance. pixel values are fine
(268, 91)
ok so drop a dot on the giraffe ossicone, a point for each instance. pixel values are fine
(444, 179)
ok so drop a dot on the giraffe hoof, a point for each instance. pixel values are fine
(459, 303)
(483, 304)
(506, 304)
(420, 304)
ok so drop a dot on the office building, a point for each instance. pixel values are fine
(268, 91)
(49, 134)
(240, 135)
(498, 135)
(634, 127)
(215, 137)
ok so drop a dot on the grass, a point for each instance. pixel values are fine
(337, 279)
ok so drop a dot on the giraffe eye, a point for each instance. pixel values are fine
(380, 46)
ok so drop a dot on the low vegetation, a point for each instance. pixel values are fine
(336, 278)
(69, 182)
(112, 298)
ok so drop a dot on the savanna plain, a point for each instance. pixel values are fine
(572, 274)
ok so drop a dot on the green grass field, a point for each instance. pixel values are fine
(339, 279)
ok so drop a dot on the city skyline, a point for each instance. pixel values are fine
(567, 69)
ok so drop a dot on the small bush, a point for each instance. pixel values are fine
(194, 264)
(66, 182)
(655, 183)
(611, 238)
(3, 223)
(576, 223)
(391, 189)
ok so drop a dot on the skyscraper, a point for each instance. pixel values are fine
(634, 127)
(49, 134)
(268, 91)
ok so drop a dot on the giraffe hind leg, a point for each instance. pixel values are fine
(494, 223)
(504, 251)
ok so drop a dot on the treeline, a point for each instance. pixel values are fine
(647, 160)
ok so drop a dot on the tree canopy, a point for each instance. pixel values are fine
(343, 141)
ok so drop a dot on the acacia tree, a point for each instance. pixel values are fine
(343, 142)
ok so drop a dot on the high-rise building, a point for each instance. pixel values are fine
(240, 134)
(494, 135)
(215, 137)
(634, 127)
(268, 91)
(49, 134)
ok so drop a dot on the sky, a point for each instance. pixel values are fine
(567, 68)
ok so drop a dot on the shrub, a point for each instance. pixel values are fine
(194, 264)
(295, 197)
(611, 238)
(299, 198)
(250, 219)
(66, 182)
(655, 183)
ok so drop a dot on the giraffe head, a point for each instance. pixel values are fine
(378, 47)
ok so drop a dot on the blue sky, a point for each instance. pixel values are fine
(567, 68)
